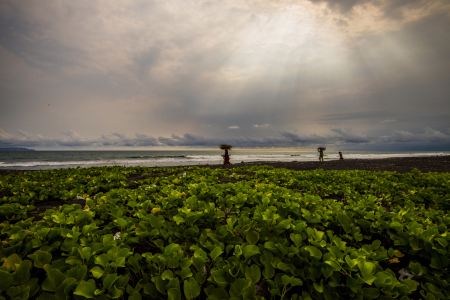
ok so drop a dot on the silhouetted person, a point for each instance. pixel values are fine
(341, 158)
(226, 158)
(320, 154)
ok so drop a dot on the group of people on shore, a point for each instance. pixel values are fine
(321, 149)
(226, 156)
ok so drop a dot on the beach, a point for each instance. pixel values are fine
(438, 164)
(427, 164)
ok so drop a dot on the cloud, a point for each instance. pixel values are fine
(72, 139)
(337, 137)
(170, 68)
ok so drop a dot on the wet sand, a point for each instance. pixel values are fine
(399, 164)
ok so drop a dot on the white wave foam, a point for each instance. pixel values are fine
(207, 159)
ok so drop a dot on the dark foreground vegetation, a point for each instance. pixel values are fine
(240, 233)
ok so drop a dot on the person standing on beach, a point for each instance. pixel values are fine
(341, 158)
(226, 158)
(320, 149)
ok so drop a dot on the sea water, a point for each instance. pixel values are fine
(42, 160)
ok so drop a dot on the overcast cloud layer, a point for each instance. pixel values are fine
(348, 74)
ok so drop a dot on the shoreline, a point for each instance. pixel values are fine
(440, 164)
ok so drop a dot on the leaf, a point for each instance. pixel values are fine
(252, 237)
(191, 288)
(249, 293)
(399, 254)
(239, 285)
(97, 272)
(318, 287)
(85, 289)
(218, 294)
(397, 226)
(109, 280)
(6, 279)
(394, 260)
(11, 261)
(376, 244)
(185, 273)
(167, 275)
(315, 252)
(366, 267)
(412, 284)
(216, 252)
(41, 258)
(121, 222)
(334, 264)
(173, 294)
(350, 262)
(53, 280)
(297, 239)
(369, 278)
(443, 242)
(269, 270)
(135, 296)
(253, 273)
(353, 284)
(201, 254)
(171, 248)
(250, 250)
(22, 273)
(198, 263)
(370, 293)
(220, 281)
(415, 268)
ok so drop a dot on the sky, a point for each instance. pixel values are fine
(144, 74)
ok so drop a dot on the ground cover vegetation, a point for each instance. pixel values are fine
(243, 233)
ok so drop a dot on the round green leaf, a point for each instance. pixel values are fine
(6, 279)
(185, 273)
(167, 275)
(216, 252)
(250, 250)
(219, 294)
(171, 248)
(85, 289)
(191, 288)
(173, 294)
(239, 285)
(253, 273)
(269, 270)
(316, 253)
(252, 237)
(97, 272)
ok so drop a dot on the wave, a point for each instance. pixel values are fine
(155, 156)
(173, 160)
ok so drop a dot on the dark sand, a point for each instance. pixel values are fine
(401, 165)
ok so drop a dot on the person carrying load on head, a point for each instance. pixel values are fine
(321, 149)
(226, 156)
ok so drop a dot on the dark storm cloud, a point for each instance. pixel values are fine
(343, 138)
(342, 6)
(391, 8)
(74, 140)
(368, 115)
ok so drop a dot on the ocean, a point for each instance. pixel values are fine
(43, 160)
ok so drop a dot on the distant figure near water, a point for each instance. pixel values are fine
(321, 149)
(226, 156)
(341, 158)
